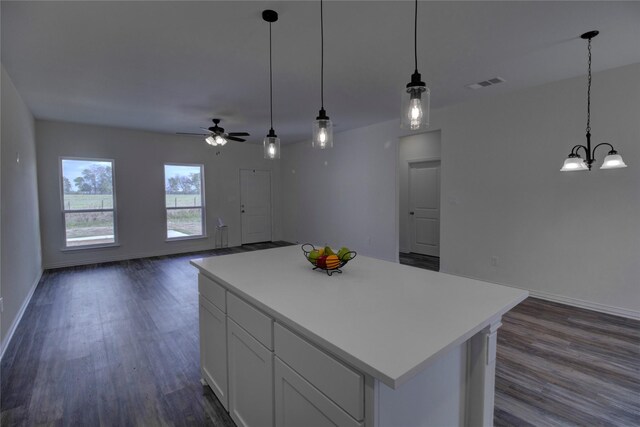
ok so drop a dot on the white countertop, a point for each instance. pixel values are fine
(386, 319)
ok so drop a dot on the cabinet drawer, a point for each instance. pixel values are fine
(258, 324)
(212, 291)
(338, 382)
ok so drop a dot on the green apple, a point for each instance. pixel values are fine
(313, 256)
(343, 254)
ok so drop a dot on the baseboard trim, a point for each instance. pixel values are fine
(573, 302)
(124, 257)
(594, 306)
(18, 318)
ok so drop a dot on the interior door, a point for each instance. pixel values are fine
(424, 207)
(255, 205)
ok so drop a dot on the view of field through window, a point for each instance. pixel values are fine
(88, 202)
(183, 198)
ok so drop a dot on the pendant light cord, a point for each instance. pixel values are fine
(321, 57)
(270, 79)
(415, 37)
(589, 92)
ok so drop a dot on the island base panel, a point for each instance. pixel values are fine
(456, 390)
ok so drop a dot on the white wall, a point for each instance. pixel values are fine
(413, 147)
(21, 263)
(139, 178)
(344, 196)
(574, 237)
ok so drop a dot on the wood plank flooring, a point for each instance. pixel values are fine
(114, 344)
(421, 261)
(117, 344)
(560, 365)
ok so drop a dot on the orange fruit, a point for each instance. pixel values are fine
(332, 262)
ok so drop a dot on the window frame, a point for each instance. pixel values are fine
(114, 209)
(202, 206)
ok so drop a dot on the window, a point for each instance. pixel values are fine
(88, 202)
(184, 201)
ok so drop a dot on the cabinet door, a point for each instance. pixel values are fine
(213, 349)
(298, 403)
(250, 379)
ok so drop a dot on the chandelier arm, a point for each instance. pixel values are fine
(587, 155)
(575, 147)
(602, 143)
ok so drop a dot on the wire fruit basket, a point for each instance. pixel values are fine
(327, 263)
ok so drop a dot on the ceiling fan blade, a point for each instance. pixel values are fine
(192, 134)
(233, 138)
(238, 134)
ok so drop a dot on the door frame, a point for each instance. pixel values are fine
(409, 163)
(270, 197)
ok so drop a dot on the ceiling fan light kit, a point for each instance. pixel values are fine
(322, 132)
(416, 96)
(271, 143)
(576, 163)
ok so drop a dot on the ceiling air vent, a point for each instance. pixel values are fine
(486, 83)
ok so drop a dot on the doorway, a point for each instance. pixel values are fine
(419, 189)
(255, 205)
(424, 207)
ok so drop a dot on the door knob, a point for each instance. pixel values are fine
(411, 213)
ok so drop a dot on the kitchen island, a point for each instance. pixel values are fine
(381, 344)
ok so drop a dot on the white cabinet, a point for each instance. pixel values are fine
(250, 379)
(298, 403)
(213, 349)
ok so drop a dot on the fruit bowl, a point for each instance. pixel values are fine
(331, 262)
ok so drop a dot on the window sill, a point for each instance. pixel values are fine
(86, 247)
(174, 239)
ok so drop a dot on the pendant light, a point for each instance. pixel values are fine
(416, 96)
(322, 126)
(271, 142)
(576, 163)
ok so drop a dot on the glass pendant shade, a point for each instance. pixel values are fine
(415, 107)
(613, 161)
(574, 163)
(271, 146)
(220, 140)
(322, 133)
(210, 140)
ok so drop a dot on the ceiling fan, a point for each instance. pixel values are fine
(217, 135)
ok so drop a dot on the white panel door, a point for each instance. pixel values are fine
(424, 207)
(250, 379)
(255, 205)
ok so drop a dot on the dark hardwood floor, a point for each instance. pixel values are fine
(560, 365)
(421, 261)
(117, 344)
(113, 344)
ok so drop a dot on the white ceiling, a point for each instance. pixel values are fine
(172, 66)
